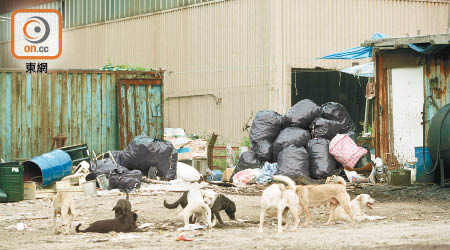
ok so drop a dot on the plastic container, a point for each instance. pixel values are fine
(29, 190)
(48, 168)
(421, 176)
(90, 188)
(103, 182)
(11, 180)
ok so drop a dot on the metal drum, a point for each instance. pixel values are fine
(48, 168)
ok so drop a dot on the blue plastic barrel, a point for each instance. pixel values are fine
(421, 176)
(48, 168)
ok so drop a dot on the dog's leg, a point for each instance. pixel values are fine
(332, 209)
(64, 217)
(349, 212)
(217, 214)
(55, 228)
(306, 211)
(294, 211)
(261, 219)
(280, 218)
(208, 216)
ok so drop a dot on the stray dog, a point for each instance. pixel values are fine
(332, 194)
(357, 206)
(198, 205)
(122, 206)
(63, 205)
(124, 224)
(220, 203)
(280, 197)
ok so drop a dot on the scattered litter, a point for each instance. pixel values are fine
(146, 225)
(21, 226)
(125, 237)
(269, 169)
(192, 227)
(181, 237)
(247, 176)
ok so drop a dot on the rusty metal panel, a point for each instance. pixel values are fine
(35, 107)
(140, 109)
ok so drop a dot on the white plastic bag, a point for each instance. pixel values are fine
(187, 173)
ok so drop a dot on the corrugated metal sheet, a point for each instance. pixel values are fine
(82, 105)
(140, 109)
(226, 60)
(436, 78)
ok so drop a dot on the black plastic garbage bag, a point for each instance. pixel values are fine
(302, 114)
(324, 128)
(106, 166)
(293, 162)
(337, 112)
(322, 164)
(265, 126)
(144, 152)
(297, 137)
(264, 150)
(248, 159)
(125, 179)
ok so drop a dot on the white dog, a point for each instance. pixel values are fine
(199, 204)
(63, 205)
(357, 206)
(279, 197)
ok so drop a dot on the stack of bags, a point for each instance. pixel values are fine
(299, 141)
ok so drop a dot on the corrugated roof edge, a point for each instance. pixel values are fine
(399, 41)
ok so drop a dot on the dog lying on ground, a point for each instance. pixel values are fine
(124, 224)
(122, 206)
(332, 194)
(64, 206)
(221, 203)
(282, 199)
(357, 206)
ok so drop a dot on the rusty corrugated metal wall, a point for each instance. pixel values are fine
(81, 105)
(226, 60)
(436, 83)
(35, 107)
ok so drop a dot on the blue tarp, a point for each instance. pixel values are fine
(356, 52)
(365, 70)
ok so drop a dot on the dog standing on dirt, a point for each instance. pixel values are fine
(279, 197)
(124, 224)
(221, 203)
(198, 205)
(123, 206)
(64, 206)
(333, 193)
(357, 206)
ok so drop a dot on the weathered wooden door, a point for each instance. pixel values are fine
(140, 109)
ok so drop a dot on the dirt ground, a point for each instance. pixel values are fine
(417, 218)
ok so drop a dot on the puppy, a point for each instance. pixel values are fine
(198, 204)
(332, 194)
(125, 223)
(64, 206)
(280, 198)
(220, 203)
(122, 206)
(357, 206)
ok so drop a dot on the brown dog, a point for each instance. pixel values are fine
(125, 223)
(123, 206)
(332, 194)
(63, 205)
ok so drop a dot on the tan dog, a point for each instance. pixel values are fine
(332, 194)
(63, 205)
(357, 206)
(280, 199)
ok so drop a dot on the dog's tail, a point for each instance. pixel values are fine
(126, 191)
(77, 228)
(286, 180)
(173, 205)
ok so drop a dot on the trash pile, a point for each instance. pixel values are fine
(309, 141)
(187, 148)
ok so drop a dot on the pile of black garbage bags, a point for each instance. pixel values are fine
(124, 169)
(299, 140)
